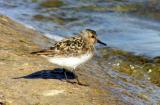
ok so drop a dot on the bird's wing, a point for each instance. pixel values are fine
(68, 46)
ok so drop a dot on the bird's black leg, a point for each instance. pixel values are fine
(76, 76)
(65, 74)
(66, 77)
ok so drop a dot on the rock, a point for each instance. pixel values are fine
(51, 3)
(16, 62)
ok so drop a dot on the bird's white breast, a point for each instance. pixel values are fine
(70, 62)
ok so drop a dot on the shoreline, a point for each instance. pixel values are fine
(15, 61)
(40, 83)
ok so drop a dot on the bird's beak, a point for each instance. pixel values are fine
(98, 41)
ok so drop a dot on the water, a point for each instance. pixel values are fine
(122, 31)
(119, 30)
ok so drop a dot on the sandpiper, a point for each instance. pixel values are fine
(73, 51)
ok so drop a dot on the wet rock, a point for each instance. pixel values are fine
(54, 19)
(112, 8)
(51, 3)
(157, 59)
(137, 66)
(34, 1)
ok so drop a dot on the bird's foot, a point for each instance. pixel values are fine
(72, 82)
(79, 83)
(82, 84)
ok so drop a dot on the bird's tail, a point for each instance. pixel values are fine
(38, 52)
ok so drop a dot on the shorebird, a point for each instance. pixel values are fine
(73, 51)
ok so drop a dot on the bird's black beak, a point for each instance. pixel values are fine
(98, 41)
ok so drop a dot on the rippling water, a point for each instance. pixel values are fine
(118, 29)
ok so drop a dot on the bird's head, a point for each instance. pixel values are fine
(91, 37)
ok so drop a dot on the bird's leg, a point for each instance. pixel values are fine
(76, 76)
(65, 74)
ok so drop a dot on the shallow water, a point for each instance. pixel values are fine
(117, 29)
(130, 81)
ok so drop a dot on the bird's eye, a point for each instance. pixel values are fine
(93, 36)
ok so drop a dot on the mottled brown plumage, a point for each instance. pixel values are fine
(72, 46)
(73, 51)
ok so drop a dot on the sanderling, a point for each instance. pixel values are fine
(71, 52)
